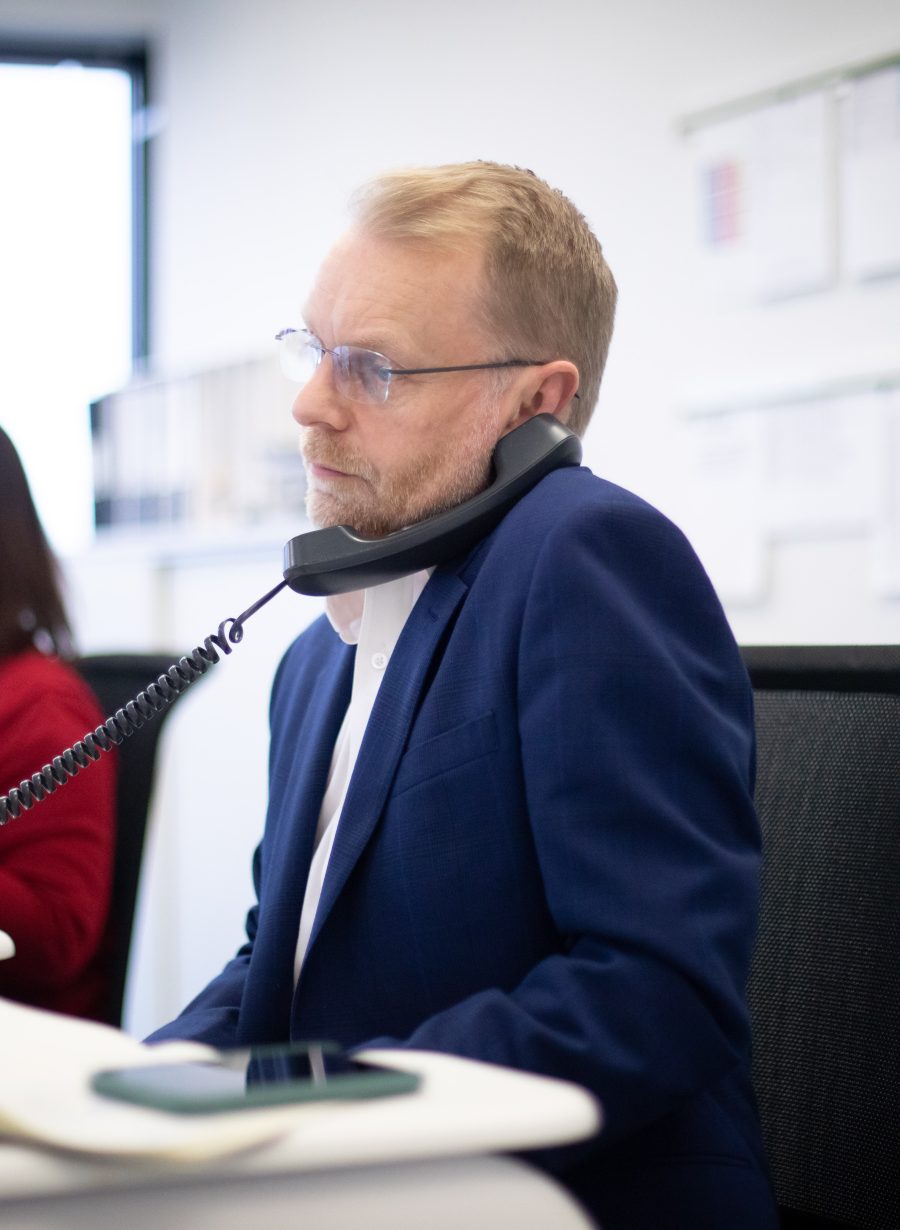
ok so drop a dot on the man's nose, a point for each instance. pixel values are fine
(318, 404)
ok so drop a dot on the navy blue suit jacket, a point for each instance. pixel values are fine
(548, 854)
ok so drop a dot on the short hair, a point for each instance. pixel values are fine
(31, 604)
(550, 293)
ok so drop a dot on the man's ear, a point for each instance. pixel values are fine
(549, 390)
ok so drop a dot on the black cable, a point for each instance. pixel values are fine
(131, 717)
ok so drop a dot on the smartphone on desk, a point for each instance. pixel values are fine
(258, 1076)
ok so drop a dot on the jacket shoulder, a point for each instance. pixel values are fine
(573, 512)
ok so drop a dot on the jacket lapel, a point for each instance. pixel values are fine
(290, 849)
(311, 760)
(387, 731)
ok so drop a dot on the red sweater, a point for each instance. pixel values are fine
(55, 860)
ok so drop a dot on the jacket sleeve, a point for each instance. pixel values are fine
(212, 1016)
(636, 730)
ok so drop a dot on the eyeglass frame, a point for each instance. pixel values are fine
(413, 371)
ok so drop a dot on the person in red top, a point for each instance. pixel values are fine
(55, 862)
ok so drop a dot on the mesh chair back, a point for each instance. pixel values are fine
(115, 679)
(825, 983)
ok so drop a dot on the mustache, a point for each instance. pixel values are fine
(317, 449)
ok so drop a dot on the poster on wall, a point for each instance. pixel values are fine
(812, 469)
(822, 461)
(722, 156)
(793, 209)
(870, 174)
(723, 502)
(886, 540)
(766, 217)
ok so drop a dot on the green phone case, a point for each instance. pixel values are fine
(156, 1085)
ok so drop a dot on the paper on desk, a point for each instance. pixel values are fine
(46, 1062)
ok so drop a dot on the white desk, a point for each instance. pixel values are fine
(478, 1193)
(408, 1162)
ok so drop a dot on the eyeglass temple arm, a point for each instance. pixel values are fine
(462, 367)
(468, 367)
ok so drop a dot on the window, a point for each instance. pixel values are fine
(72, 258)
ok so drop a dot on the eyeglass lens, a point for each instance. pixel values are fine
(361, 375)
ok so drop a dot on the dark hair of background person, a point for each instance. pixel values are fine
(31, 605)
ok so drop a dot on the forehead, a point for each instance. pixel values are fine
(396, 295)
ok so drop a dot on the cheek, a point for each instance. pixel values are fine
(429, 440)
(474, 431)
(401, 442)
(458, 422)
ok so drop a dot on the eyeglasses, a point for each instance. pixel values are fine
(362, 375)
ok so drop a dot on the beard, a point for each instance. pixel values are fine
(375, 503)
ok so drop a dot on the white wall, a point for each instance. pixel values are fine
(278, 110)
(273, 112)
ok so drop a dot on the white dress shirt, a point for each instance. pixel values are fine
(372, 619)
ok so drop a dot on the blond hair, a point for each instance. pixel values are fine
(550, 293)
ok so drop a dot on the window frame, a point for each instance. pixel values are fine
(131, 57)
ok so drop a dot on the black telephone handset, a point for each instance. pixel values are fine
(337, 559)
(331, 561)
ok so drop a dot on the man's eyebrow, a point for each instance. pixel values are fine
(378, 342)
(393, 348)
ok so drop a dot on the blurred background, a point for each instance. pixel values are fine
(173, 171)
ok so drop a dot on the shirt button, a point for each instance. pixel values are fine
(379, 661)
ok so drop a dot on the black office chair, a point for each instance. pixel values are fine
(825, 983)
(115, 679)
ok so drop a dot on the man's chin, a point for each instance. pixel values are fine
(325, 512)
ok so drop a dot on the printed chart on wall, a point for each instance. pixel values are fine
(871, 174)
(886, 544)
(766, 219)
(797, 210)
(821, 467)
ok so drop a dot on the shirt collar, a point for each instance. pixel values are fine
(393, 599)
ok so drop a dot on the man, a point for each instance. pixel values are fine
(515, 821)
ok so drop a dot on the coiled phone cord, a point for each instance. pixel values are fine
(131, 717)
